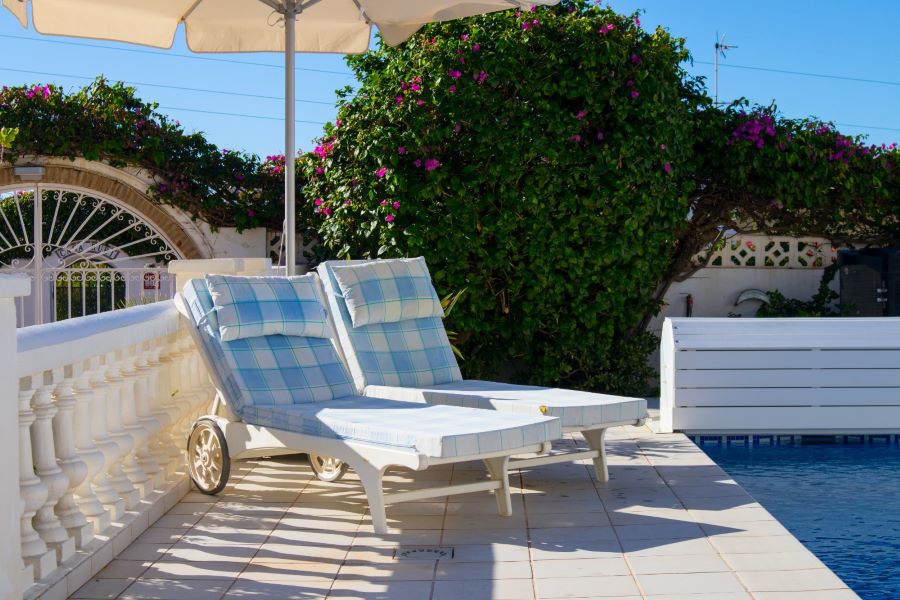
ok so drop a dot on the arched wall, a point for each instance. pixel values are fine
(125, 187)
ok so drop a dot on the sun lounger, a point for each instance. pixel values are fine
(389, 323)
(282, 388)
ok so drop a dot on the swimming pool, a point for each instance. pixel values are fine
(841, 500)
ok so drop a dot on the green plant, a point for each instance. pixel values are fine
(532, 157)
(822, 304)
(448, 302)
(108, 122)
(7, 137)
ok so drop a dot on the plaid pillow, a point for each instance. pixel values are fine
(388, 291)
(256, 306)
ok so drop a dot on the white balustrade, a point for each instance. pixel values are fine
(105, 402)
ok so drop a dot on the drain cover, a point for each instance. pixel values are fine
(423, 553)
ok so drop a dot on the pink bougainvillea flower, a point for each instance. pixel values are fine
(630, 83)
(420, 102)
(610, 27)
(452, 89)
(251, 213)
(635, 59)
(384, 202)
(337, 123)
(401, 150)
(380, 172)
(576, 138)
(318, 202)
(635, 93)
(396, 205)
(662, 146)
(319, 170)
(637, 21)
(667, 168)
(431, 164)
(399, 99)
(45, 90)
(533, 8)
(476, 48)
(417, 79)
(457, 128)
(389, 218)
(416, 87)
(417, 163)
(526, 25)
(404, 85)
(535, 22)
(464, 37)
(599, 135)
(327, 211)
(518, 13)
(455, 74)
(581, 115)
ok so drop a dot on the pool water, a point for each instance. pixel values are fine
(841, 500)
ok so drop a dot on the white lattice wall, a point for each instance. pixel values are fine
(774, 252)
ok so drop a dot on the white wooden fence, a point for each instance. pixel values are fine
(828, 375)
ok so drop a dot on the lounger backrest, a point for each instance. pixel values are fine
(410, 353)
(266, 370)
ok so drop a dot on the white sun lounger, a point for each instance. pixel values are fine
(411, 358)
(281, 394)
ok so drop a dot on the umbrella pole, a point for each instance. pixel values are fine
(290, 189)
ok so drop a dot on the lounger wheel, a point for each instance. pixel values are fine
(208, 461)
(327, 468)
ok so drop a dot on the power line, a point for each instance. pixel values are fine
(868, 127)
(170, 87)
(803, 73)
(169, 54)
(242, 115)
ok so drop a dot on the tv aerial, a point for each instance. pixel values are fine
(720, 47)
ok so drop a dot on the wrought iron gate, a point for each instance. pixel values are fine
(86, 253)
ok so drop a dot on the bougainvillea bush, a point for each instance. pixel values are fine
(531, 156)
(108, 122)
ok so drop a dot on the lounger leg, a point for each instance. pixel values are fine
(371, 478)
(595, 439)
(499, 471)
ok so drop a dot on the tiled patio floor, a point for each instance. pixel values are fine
(670, 525)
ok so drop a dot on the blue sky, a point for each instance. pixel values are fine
(828, 37)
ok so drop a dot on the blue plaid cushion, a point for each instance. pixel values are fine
(258, 306)
(270, 369)
(406, 353)
(387, 291)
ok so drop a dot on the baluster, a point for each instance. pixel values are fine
(117, 433)
(156, 390)
(33, 491)
(44, 454)
(72, 466)
(103, 484)
(86, 495)
(170, 402)
(138, 434)
(148, 422)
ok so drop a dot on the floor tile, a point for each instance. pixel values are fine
(690, 583)
(496, 589)
(455, 570)
(587, 587)
(244, 589)
(102, 588)
(799, 580)
(580, 567)
(170, 589)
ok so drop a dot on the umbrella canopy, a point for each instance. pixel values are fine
(340, 26)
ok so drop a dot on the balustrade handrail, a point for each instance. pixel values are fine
(42, 347)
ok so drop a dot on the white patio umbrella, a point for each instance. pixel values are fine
(339, 26)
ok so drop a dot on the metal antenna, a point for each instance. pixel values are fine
(721, 47)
